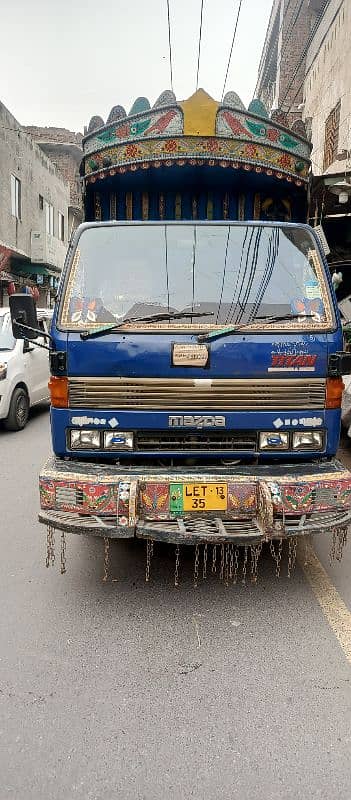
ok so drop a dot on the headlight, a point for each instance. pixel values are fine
(118, 440)
(3, 371)
(274, 441)
(308, 440)
(85, 440)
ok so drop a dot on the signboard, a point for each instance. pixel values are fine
(323, 239)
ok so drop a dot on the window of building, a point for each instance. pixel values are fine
(41, 202)
(331, 138)
(61, 226)
(49, 218)
(15, 197)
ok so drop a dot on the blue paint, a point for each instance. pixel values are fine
(238, 355)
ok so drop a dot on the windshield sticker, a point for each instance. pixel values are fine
(305, 306)
(304, 422)
(312, 290)
(92, 310)
(284, 362)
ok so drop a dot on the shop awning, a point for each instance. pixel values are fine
(36, 269)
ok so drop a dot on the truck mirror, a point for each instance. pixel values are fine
(339, 364)
(23, 313)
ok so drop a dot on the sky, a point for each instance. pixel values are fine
(62, 62)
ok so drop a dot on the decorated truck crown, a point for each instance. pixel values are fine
(195, 159)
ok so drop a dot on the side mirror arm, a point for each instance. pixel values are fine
(33, 330)
(34, 343)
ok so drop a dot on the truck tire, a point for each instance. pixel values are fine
(19, 409)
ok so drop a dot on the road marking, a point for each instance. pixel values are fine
(334, 609)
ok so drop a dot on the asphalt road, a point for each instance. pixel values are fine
(134, 691)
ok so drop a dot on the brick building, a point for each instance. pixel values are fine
(64, 148)
(304, 70)
(327, 109)
(282, 66)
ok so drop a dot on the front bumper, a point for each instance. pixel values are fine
(263, 503)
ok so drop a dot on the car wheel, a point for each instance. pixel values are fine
(19, 409)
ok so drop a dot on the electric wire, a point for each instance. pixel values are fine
(239, 271)
(166, 265)
(199, 48)
(224, 272)
(193, 269)
(251, 276)
(276, 39)
(287, 40)
(260, 291)
(232, 45)
(170, 45)
(299, 64)
(273, 248)
(291, 28)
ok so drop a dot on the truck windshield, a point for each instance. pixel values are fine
(7, 341)
(234, 274)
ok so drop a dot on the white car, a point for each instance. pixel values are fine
(24, 371)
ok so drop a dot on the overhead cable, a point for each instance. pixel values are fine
(272, 47)
(303, 56)
(170, 45)
(199, 49)
(291, 28)
(231, 48)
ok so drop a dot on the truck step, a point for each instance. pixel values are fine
(191, 530)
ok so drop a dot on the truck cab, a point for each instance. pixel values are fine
(197, 350)
(196, 385)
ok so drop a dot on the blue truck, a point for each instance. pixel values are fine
(196, 352)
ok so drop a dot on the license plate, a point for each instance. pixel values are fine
(205, 497)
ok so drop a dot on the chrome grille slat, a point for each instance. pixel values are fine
(223, 394)
(233, 441)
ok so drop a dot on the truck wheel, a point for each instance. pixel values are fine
(19, 409)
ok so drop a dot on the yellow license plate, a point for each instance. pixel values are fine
(205, 497)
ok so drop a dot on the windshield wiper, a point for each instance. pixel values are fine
(205, 337)
(163, 315)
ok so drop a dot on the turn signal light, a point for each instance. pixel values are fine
(335, 388)
(58, 388)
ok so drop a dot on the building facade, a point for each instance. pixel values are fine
(304, 72)
(327, 112)
(327, 89)
(34, 204)
(282, 67)
(64, 148)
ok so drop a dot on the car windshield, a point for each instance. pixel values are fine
(7, 341)
(238, 272)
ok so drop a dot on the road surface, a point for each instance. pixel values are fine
(146, 692)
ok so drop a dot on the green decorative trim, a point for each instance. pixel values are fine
(221, 150)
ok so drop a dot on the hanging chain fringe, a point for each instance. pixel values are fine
(339, 541)
(229, 561)
(106, 559)
(50, 546)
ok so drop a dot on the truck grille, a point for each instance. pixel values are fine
(188, 440)
(197, 394)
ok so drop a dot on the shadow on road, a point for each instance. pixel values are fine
(37, 411)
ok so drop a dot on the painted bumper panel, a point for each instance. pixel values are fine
(110, 501)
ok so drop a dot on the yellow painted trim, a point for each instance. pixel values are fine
(334, 609)
(200, 112)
